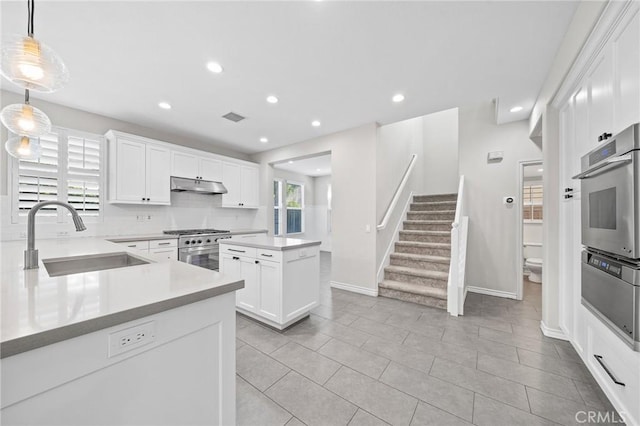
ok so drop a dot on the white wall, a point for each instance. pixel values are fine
(491, 252)
(396, 143)
(440, 134)
(353, 166)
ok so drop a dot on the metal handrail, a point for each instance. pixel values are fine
(396, 196)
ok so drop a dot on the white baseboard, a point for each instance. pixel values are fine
(490, 292)
(355, 288)
(555, 333)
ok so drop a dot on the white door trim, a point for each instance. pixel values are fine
(519, 233)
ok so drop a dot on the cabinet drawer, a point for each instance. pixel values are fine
(158, 244)
(271, 255)
(238, 250)
(611, 361)
(301, 253)
(164, 254)
(140, 245)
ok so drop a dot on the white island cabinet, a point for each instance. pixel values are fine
(281, 275)
(149, 344)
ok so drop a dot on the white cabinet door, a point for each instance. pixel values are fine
(164, 254)
(184, 165)
(600, 79)
(130, 171)
(211, 169)
(269, 278)
(243, 268)
(626, 92)
(231, 176)
(158, 177)
(249, 190)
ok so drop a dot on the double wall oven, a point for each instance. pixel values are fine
(610, 188)
(200, 246)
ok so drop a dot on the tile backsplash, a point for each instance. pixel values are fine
(187, 210)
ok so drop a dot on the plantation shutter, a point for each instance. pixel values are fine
(39, 180)
(83, 175)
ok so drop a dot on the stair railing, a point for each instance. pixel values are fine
(456, 288)
(396, 196)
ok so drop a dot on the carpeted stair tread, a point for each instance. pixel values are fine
(428, 222)
(425, 257)
(439, 293)
(421, 244)
(423, 273)
(421, 232)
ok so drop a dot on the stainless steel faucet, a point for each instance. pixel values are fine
(31, 254)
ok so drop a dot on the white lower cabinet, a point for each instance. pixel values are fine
(159, 250)
(280, 287)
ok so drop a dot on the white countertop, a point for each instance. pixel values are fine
(162, 236)
(38, 310)
(269, 243)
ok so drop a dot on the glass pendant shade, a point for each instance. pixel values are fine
(24, 119)
(23, 147)
(32, 65)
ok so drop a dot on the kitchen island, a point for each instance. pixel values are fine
(281, 275)
(147, 344)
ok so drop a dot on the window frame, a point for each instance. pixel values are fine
(277, 213)
(62, 217)
(287, 208)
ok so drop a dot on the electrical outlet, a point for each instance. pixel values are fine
(131, 338)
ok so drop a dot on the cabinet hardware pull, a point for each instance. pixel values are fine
(566, 197)
(237, 251)
(257, 261)
(132, 246)
(568, 190)
(266, 255)
(163, 244)
(236, 258)
(601, 362)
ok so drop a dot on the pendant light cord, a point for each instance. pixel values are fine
(31, 7)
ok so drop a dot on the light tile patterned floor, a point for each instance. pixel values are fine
(362, 360)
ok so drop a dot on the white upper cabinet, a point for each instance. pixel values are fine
(600, 79)
(138, 170)
(188, 165)
(626, 82)
(242, 183)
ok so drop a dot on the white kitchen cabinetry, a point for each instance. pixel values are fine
(138, 170)
(242, 183)
(281, 286)
(160, 250)
(600, 96)
(193, 166)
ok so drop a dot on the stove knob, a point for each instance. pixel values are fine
(193, 241)
(208, 240)
(199, 241)
(187, 242)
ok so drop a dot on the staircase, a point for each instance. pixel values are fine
(419, 267)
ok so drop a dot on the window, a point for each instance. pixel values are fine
(295, 208)
(277, 207)
(69, 169)
(532, 202)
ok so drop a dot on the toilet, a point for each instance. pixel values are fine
(533, 261)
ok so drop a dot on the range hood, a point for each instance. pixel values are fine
(179, 184)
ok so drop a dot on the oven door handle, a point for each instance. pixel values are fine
(609, 163)
(191, 251)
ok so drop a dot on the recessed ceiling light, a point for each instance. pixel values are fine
(315, 123)
(272, 99)
(516, 109)
(318, 170)
(214, 67)
(264, 140)
(164, 105)
(398, 98)
(540, 170)
(290, 161)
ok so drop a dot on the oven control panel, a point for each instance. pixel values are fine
(605, 265)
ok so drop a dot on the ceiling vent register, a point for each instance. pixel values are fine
(232, 116)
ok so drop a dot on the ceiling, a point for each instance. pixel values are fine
(314, 166)
(332, 61)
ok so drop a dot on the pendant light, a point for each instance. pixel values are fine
(31, 65)
(24, 119)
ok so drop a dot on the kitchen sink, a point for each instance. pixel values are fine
(59, 266)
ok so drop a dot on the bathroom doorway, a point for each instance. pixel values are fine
(530, 220)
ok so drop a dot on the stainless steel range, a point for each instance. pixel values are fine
(200, 246)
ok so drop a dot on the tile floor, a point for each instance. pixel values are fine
(362, 360)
